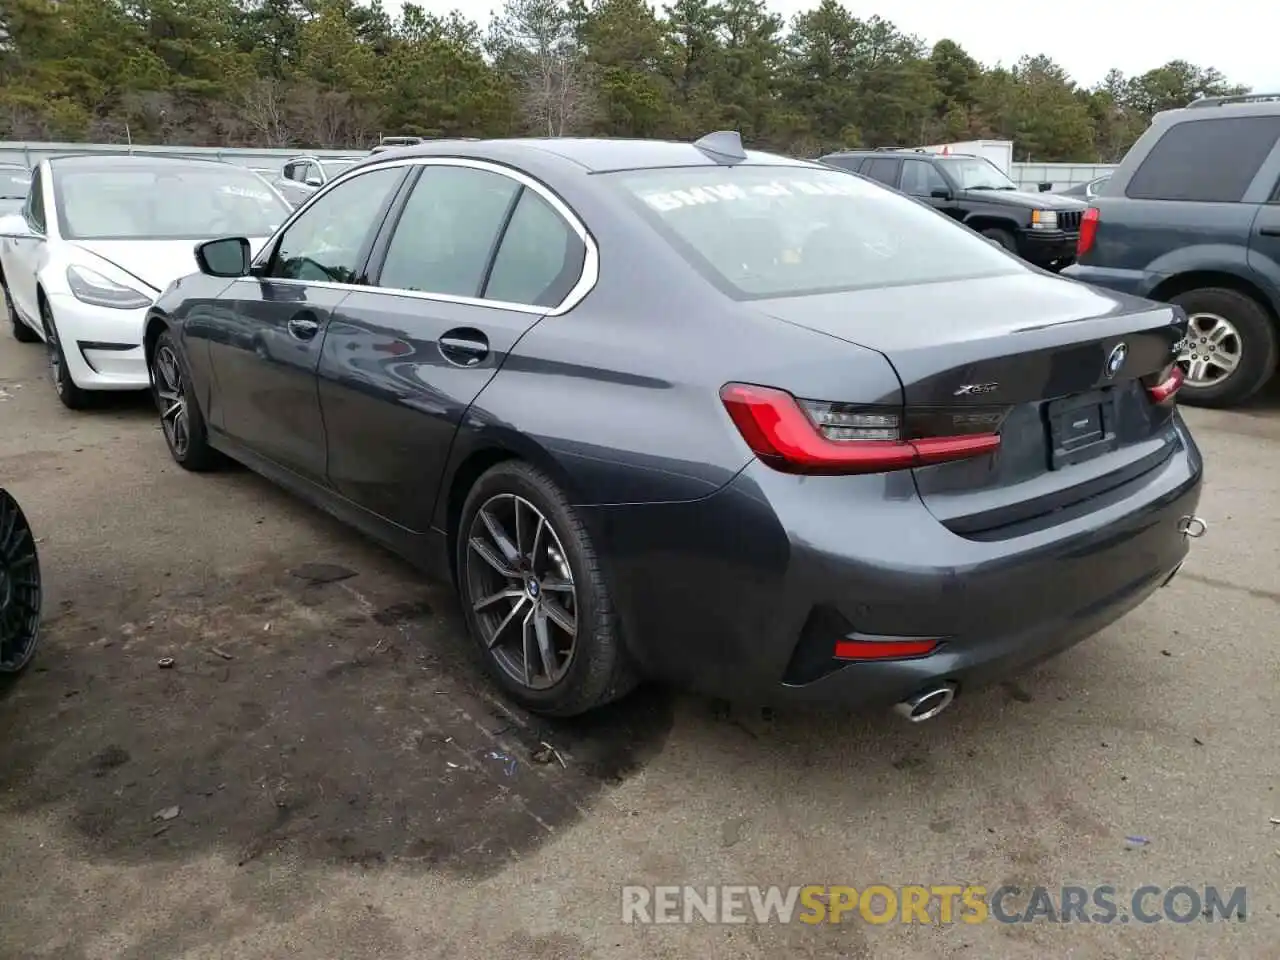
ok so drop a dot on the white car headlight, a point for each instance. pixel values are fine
(1044, 220)
(90, 287)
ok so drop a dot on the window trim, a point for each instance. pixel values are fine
(587, 280)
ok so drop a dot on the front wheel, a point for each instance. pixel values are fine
(535, 597)
(19, 588)
(1002, 237)
(180, 417)
(1230, 350)
(71, 395)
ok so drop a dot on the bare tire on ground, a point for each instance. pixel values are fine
(1231, 348)
(535, 597)
(180, 416)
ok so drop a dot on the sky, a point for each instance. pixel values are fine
(1236, 36)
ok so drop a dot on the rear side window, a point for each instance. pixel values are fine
(774, 231)
(883, 169)
(540, 259)
(844, 163)
(447, 231)
(1210, 161)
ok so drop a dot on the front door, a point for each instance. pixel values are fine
(921, 179)
(25, 252)
(473, 260)
(265, 350)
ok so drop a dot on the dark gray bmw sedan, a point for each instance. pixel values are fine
(690, 413)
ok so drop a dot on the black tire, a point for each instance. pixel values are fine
(180, 418)
(21, 332)
(1002, 237)
(20, 588)
(596, 669)
(71, 395)
(1258, 346)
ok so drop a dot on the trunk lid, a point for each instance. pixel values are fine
(1061, 367)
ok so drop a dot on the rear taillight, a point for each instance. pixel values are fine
(808, 436)
(1088, 231)
(1164, 391)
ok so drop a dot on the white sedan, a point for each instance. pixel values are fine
(99, 238)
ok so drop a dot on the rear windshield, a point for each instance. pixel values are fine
(773, 231)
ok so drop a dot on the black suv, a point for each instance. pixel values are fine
(1042, 228)
(1192, 216)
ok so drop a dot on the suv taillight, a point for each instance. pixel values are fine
(1088, 231)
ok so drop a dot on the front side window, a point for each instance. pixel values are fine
(448, 230)
(1209, 161)
(335, 168)
(326, 242)
(920, 178)
(771, 231)
(164, 201)
(540, 259)
(35, 203)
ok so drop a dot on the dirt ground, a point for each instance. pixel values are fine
(323, 773)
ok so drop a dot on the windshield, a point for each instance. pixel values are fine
(164, 202)
(334, 167)
(977, 174)
(772, 231)
(14, 183)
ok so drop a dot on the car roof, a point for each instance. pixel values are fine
(108, 160)
(1245, 105)
(595, 155)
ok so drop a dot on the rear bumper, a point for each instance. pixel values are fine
(744, 594)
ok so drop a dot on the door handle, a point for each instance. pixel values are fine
(1270, 231)
(303, 327)
(464, 347)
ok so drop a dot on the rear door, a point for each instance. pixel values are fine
(1264, 243)
(264, 343)
(474, 256)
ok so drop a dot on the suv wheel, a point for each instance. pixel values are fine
(1231, 347)
(1002, 237)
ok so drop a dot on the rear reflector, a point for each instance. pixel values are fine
(1088, 231)
(805, 436)
(883, 649)
(1166, 390)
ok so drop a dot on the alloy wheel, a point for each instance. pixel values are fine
(521, 589)
(19, 587)
(55, 352)
(171, 398)
(1212, 350)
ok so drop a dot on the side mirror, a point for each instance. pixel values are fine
(314, 182)
(228, 257)
(940, 194)
(1045, 187)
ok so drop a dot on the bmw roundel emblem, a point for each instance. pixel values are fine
(1116, 360)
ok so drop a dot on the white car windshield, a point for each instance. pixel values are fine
(163, 201)
(774, 231)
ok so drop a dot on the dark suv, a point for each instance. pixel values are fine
(1040, 227)
(1192, 216)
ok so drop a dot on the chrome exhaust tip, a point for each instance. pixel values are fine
(927, 704)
